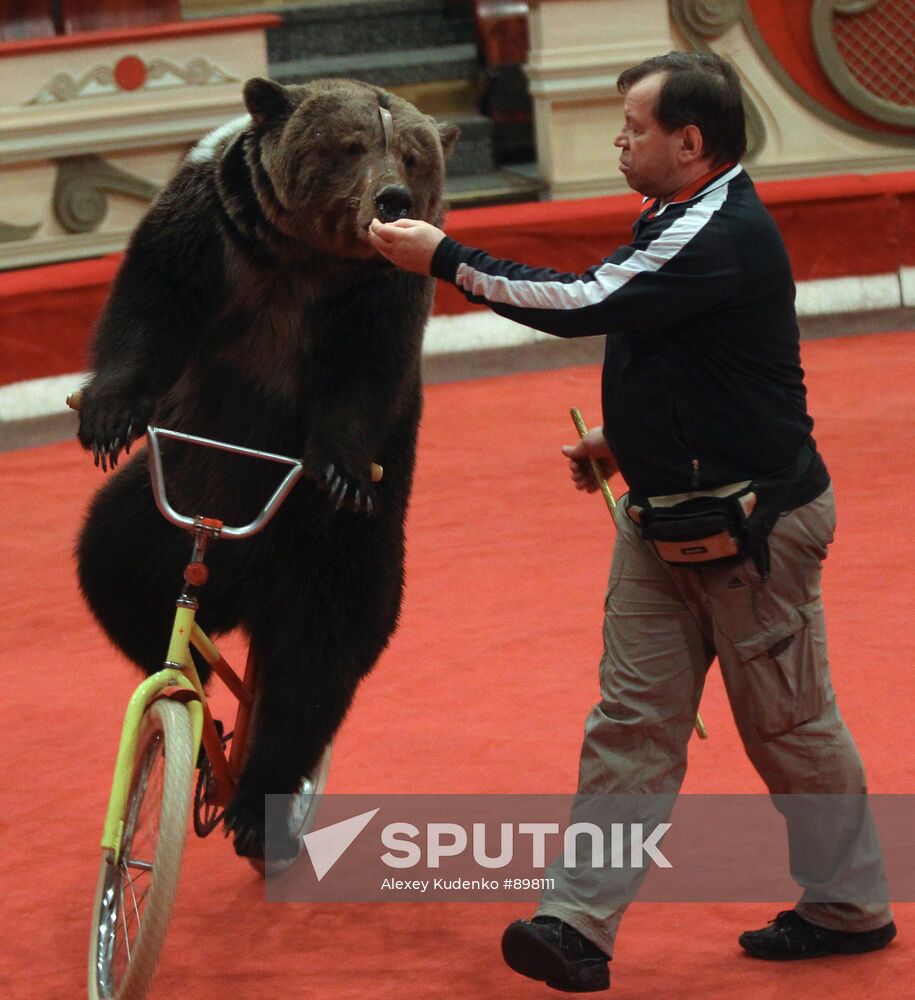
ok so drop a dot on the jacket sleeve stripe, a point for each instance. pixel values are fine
(599, 285)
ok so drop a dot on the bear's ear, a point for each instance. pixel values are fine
(267, 102)
(448, 134)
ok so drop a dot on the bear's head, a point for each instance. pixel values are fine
(329, 156)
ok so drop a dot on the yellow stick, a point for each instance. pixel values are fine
(582, 429)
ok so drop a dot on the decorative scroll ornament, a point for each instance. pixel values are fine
(128, 74)
(15, 234)
(82, 186)
(709, 18)
(700, 20)
(854, 6)
(867, 50)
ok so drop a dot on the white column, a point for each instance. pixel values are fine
(577, 50)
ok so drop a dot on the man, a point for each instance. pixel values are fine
(703, 411)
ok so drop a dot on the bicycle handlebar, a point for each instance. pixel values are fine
(157, 476)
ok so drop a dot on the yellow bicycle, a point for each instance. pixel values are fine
(166, 723)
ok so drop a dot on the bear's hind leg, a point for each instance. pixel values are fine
(305, 688)
(130, 563)
(317, 625)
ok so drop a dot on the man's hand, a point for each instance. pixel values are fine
(592, 445)
(408, 243)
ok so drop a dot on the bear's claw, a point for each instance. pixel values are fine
(338, 491)
(338, 487)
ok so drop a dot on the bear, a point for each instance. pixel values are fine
(250, 308)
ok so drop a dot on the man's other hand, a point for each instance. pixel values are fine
(592, 446)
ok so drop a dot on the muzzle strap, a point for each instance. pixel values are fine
(387, 125)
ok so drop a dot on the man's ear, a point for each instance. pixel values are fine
(692, 145)
(267, 102)
(449, 135)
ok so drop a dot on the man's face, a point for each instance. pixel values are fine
(648, 157)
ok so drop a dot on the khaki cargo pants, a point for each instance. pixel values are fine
(663, 627)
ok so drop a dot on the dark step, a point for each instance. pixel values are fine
(498, 187)
(385, 68)
(473, 153)
(408, 45)
(350, 28)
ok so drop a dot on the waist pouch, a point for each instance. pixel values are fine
(722, 525)
(685, 529)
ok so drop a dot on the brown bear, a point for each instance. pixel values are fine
(250, 308)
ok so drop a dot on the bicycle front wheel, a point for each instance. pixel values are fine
(134, 897)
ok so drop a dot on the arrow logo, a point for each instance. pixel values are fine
(326, 846)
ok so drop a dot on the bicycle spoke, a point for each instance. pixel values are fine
(133, 869)
(136, 908)
(135, 894)
(126, 935)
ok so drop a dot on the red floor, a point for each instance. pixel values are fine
(484, 688)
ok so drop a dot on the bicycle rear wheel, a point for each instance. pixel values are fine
(304, 805)
(134, 897)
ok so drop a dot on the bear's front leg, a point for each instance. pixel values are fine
(343, 443)
(339, 449)
(366, 375)
(169, 286)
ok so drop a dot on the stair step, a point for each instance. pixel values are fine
(473, 153)
(424, 50)
(497, 187)
(342, 29)
(442, 99)
(384, 68)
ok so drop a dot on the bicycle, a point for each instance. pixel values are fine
(166, 723)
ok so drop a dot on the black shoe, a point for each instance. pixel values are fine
(790, 936)
(547, 949)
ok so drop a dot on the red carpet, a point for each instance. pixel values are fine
(484, 688)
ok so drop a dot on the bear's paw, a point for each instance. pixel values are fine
(245, 821)
(110, 420)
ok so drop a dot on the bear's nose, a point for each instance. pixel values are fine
(393, 202)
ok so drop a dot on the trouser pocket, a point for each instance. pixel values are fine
(781, 677)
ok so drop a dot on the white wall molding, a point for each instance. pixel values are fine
(829, 296)
(136, 100)
(107, 126)
(907, 286)
(578, 48)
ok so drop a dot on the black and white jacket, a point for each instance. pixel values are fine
(702, 382)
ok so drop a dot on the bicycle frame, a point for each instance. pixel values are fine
(178, 679)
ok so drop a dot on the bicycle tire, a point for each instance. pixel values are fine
(304, 806)
(129, 926)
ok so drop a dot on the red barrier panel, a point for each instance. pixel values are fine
(833, 227)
